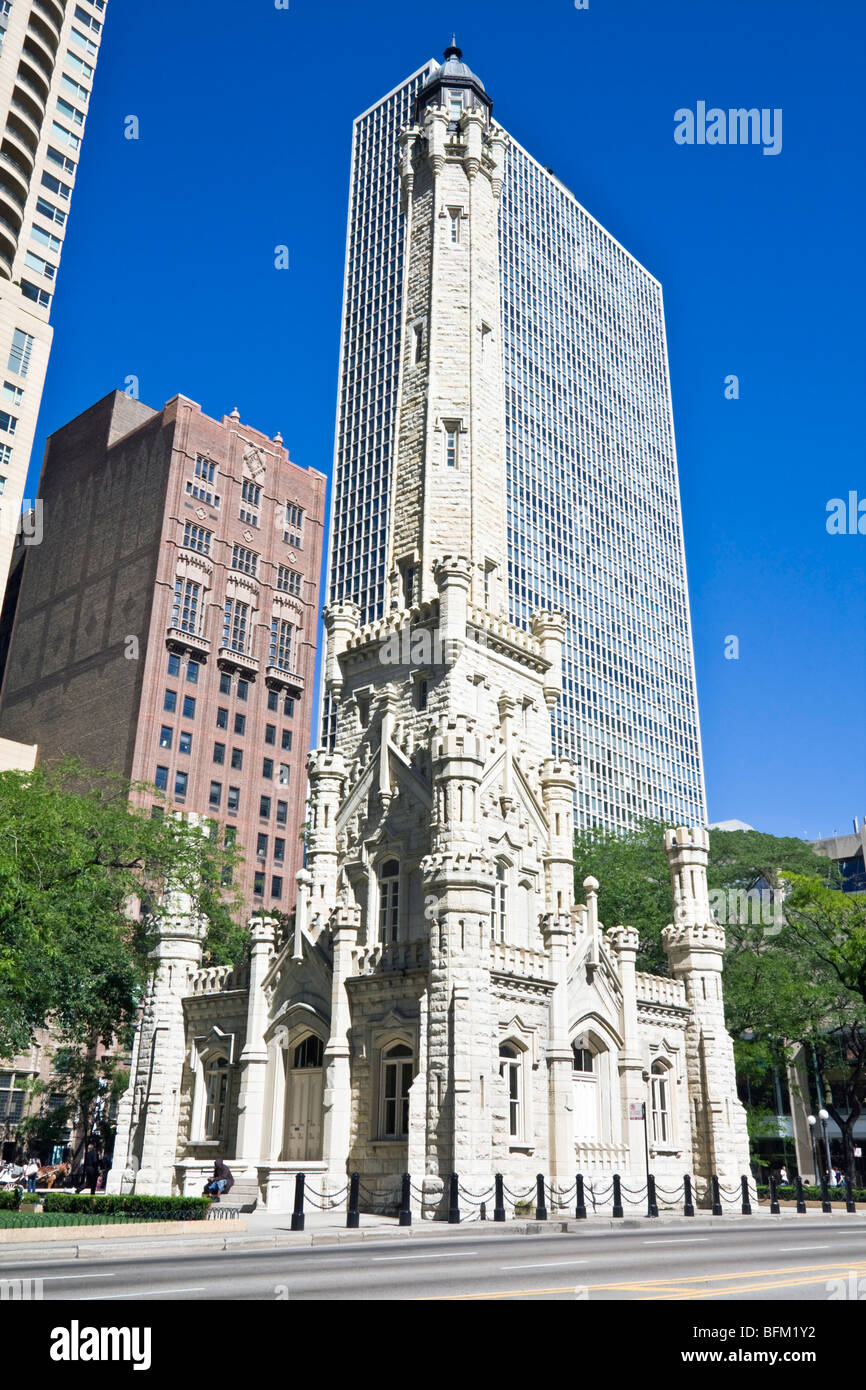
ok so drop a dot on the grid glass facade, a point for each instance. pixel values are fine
(594, 522)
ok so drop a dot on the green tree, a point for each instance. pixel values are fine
(76, 862)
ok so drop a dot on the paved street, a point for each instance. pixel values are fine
(786, 1260)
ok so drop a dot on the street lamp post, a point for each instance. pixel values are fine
(824, 1116)
(811, 1121)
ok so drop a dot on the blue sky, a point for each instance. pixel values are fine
(245, 125)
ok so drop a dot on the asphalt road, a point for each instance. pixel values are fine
(782, 1261)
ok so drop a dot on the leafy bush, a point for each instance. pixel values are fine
(811, 1193)
(129, 1205)
(9, 1201)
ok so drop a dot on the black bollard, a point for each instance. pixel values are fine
(688, 1204)
(540, 1207)
(499, 1199)
(298, 1213)
(405, 1208)
(717, 1196)
(453, 1200)
(353, 1220)
(774, 1197)
(801, 1204)
(826, 1204)
(744, 1187)
(617, 1195)
(651, 1203)
(849, 1196)
(580, 1208)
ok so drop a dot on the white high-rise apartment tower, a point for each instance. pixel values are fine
(48, 52)
(594, 526)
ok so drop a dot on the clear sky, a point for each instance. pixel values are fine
(245, 115)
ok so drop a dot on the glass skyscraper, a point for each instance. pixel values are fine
(594, 520)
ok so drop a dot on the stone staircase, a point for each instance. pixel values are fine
(243, 1196)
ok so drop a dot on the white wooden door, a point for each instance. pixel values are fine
(586, 1110)
(304, 1117)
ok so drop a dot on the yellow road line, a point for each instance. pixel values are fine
(671, 1289)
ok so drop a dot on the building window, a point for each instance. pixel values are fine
(184, 743)
(289, 580)
(247, 561)
(251, 492)
(280, 650)
(270, 733)
(204, 469)
(216, 1092)
(192, 670)
(197, 538)
(222, 719)
(169, 701)
(267, 768)
(287, 740)
(397, 1068)
(279, 848)
(189, 707)
(173, 664)
(511, 1068)
(389, 901)
(166, 734)
(258, 885)
(583, 1060)
(262, 847)
(282, 812)
(19, 356)
(181, 780)
(243, 689)
(273, 699)
(308, 1054)
(225, 683)
(219, 753)
(238, 759)
(660, 1103)
(289, 706)
(161, 779)
(283, 775)
(240, 724)
(186, 609)
(216, 793)
(452, 446)
(264, 807)
(418, 351)
(499, 915)
(585, 1094)
(276, 886)
(233, 800)
(454, 217)
(235, 621)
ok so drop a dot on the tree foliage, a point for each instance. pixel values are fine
(77, 861)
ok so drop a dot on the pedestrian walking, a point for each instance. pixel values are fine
(783, 1176)
(90, 1172)
(31, 1173)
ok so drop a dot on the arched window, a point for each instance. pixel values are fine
(500, 903)
(308, 1053)
(511, 1068)
(397, 1070)
(660, 1103)
(389, 901)
(584, 1059)
(216, 1078)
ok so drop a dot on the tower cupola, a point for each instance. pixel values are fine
(454, 86)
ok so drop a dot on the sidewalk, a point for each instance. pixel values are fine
(266, 1231)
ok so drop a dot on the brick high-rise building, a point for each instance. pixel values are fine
(166, 627)
(48, 53)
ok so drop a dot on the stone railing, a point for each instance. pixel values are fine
(592, 1157)
(519, 960)
(657, 989)
(400, 955)
(212, 979)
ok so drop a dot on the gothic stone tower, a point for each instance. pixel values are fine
(440, 829)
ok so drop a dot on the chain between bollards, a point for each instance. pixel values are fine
(617, 1195)
(717, 1196)
(353, 1219)
(298, 1213)
(580, 1208)
(405, 1208)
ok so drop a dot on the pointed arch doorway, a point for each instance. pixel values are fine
(304, 1080)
